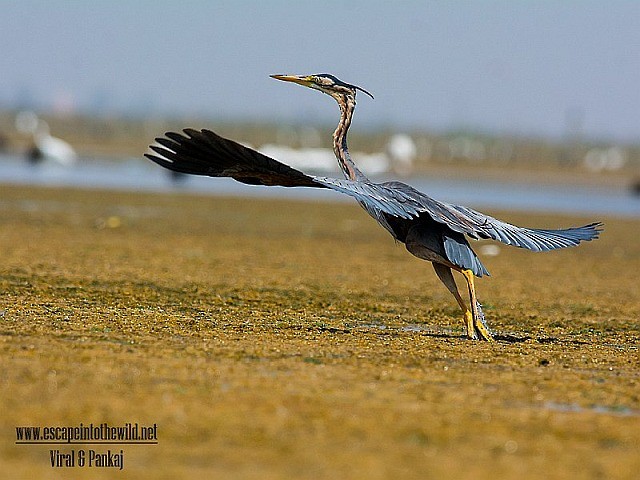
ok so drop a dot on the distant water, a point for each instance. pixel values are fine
(138, 174)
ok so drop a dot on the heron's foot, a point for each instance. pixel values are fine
(480, 325)
(477, 326)
(468, 321)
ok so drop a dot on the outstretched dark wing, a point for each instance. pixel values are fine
(206, 153)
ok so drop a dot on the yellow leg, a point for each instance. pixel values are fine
(479, 328)
(468, 317)
(444, 273)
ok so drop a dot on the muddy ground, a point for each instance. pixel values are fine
(270, 339)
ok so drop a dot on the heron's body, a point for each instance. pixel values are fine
(431, 230)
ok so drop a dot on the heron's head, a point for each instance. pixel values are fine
(324, 82)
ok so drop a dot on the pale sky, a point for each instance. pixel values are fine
(524, 67)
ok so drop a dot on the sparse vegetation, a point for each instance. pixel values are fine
(270, 339)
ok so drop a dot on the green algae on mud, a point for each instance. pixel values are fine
(274, 339)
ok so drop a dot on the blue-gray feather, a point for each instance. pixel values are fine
(206, 153)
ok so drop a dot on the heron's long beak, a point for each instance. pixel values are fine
(299, 79)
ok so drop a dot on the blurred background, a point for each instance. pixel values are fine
(469, 96)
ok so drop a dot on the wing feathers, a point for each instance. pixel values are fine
(206, 153)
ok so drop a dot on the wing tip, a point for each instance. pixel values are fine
(591, 231)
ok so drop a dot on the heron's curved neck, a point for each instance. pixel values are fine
(347, 106)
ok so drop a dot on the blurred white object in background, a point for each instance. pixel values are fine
(490, 250)
(402, 152)
(599, 159)
(398, 157)
(45, 146)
